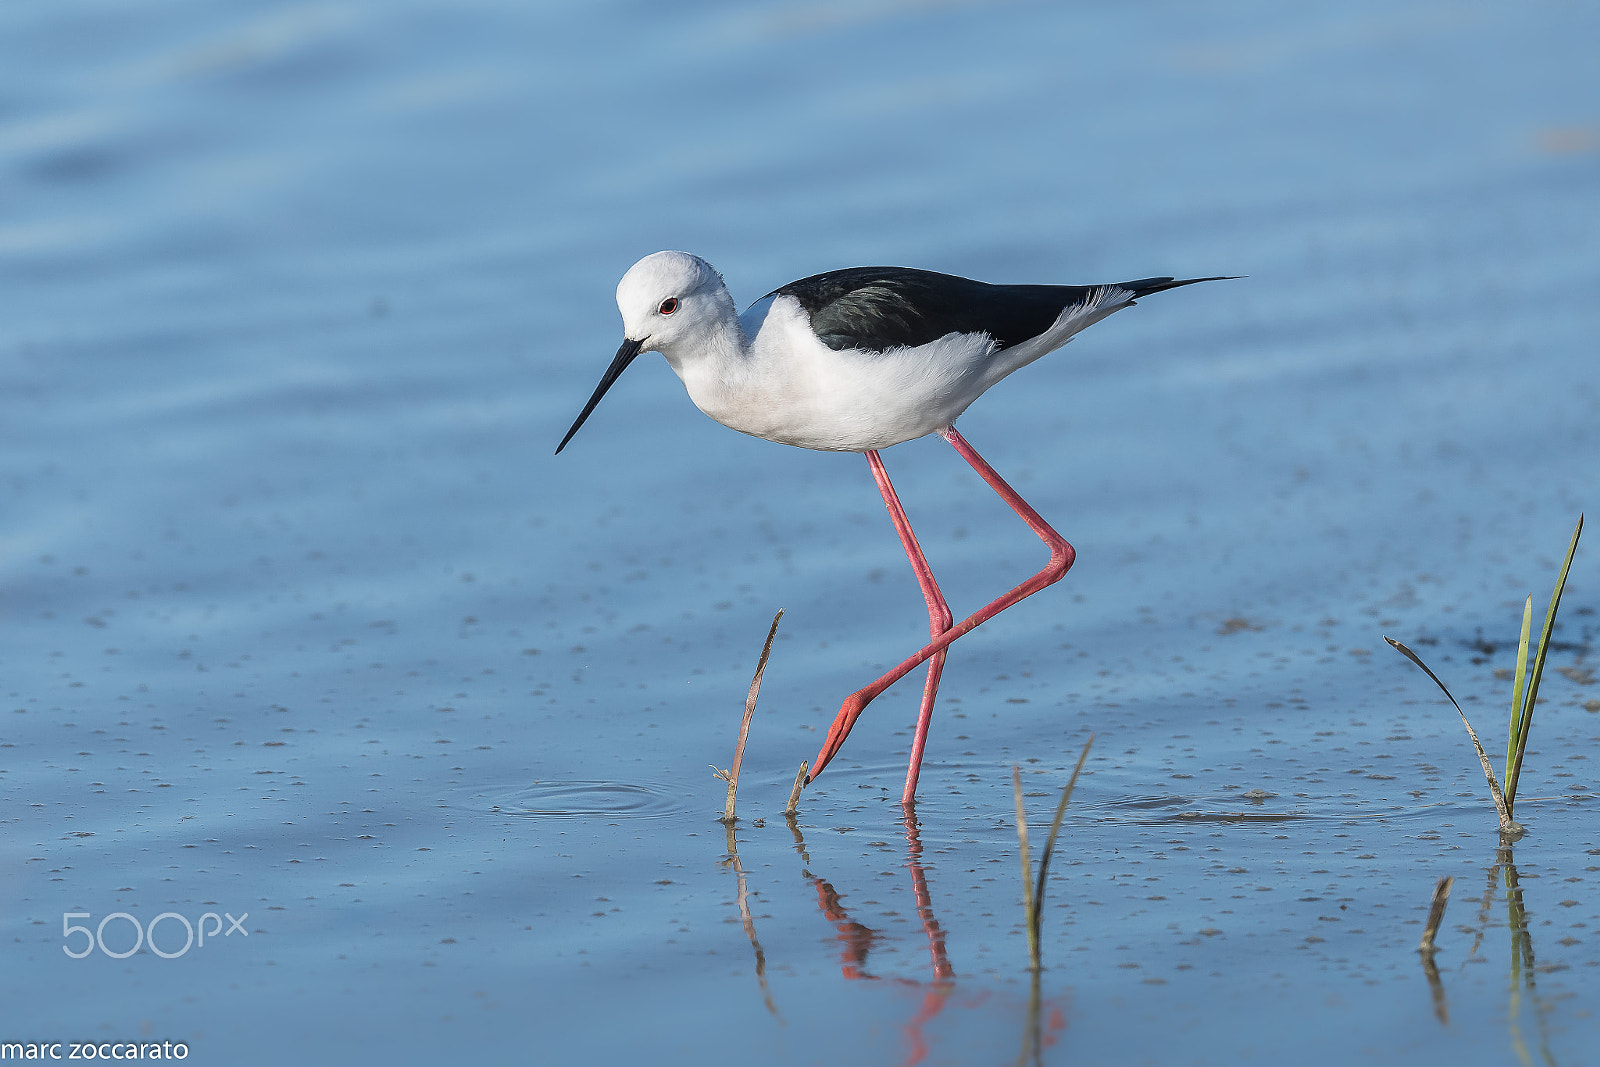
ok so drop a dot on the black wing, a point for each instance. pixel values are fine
(875, 308)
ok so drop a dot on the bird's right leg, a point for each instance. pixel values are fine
(939, 618)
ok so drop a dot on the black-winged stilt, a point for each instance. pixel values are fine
(857, 360)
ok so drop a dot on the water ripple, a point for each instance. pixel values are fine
(580, 799)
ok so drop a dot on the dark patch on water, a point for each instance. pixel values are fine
(1241, 816)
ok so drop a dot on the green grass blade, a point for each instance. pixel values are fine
(1517, 688)
(1538, 663)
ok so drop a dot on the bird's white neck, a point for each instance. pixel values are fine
(713, 360)
(718, 343)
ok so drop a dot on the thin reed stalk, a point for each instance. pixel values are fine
(1050, 843)
(731, 775)
(1033, 892)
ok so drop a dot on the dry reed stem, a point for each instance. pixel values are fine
(1441, 897)
(793, 807)
(731, 775)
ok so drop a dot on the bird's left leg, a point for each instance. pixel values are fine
(939, 618)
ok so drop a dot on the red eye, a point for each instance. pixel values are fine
(668, 306)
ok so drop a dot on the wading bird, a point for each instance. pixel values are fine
(857, 360)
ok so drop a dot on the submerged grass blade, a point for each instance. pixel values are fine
(1517, 689)
(1525, 726)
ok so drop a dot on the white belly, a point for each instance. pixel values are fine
(790, 388)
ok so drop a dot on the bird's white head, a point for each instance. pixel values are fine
(668, 299)
(672, 303)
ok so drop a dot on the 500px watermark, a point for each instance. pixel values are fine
(96, 938)
(89, 1050)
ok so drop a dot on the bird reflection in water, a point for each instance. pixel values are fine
(856, 940)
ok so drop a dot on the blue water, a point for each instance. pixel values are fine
(304, 624)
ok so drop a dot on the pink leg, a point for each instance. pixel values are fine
(1061, 557)
(939, 619)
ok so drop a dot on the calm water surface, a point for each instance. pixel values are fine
(304, 625)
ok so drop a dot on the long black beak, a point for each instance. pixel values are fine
(625, 356)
